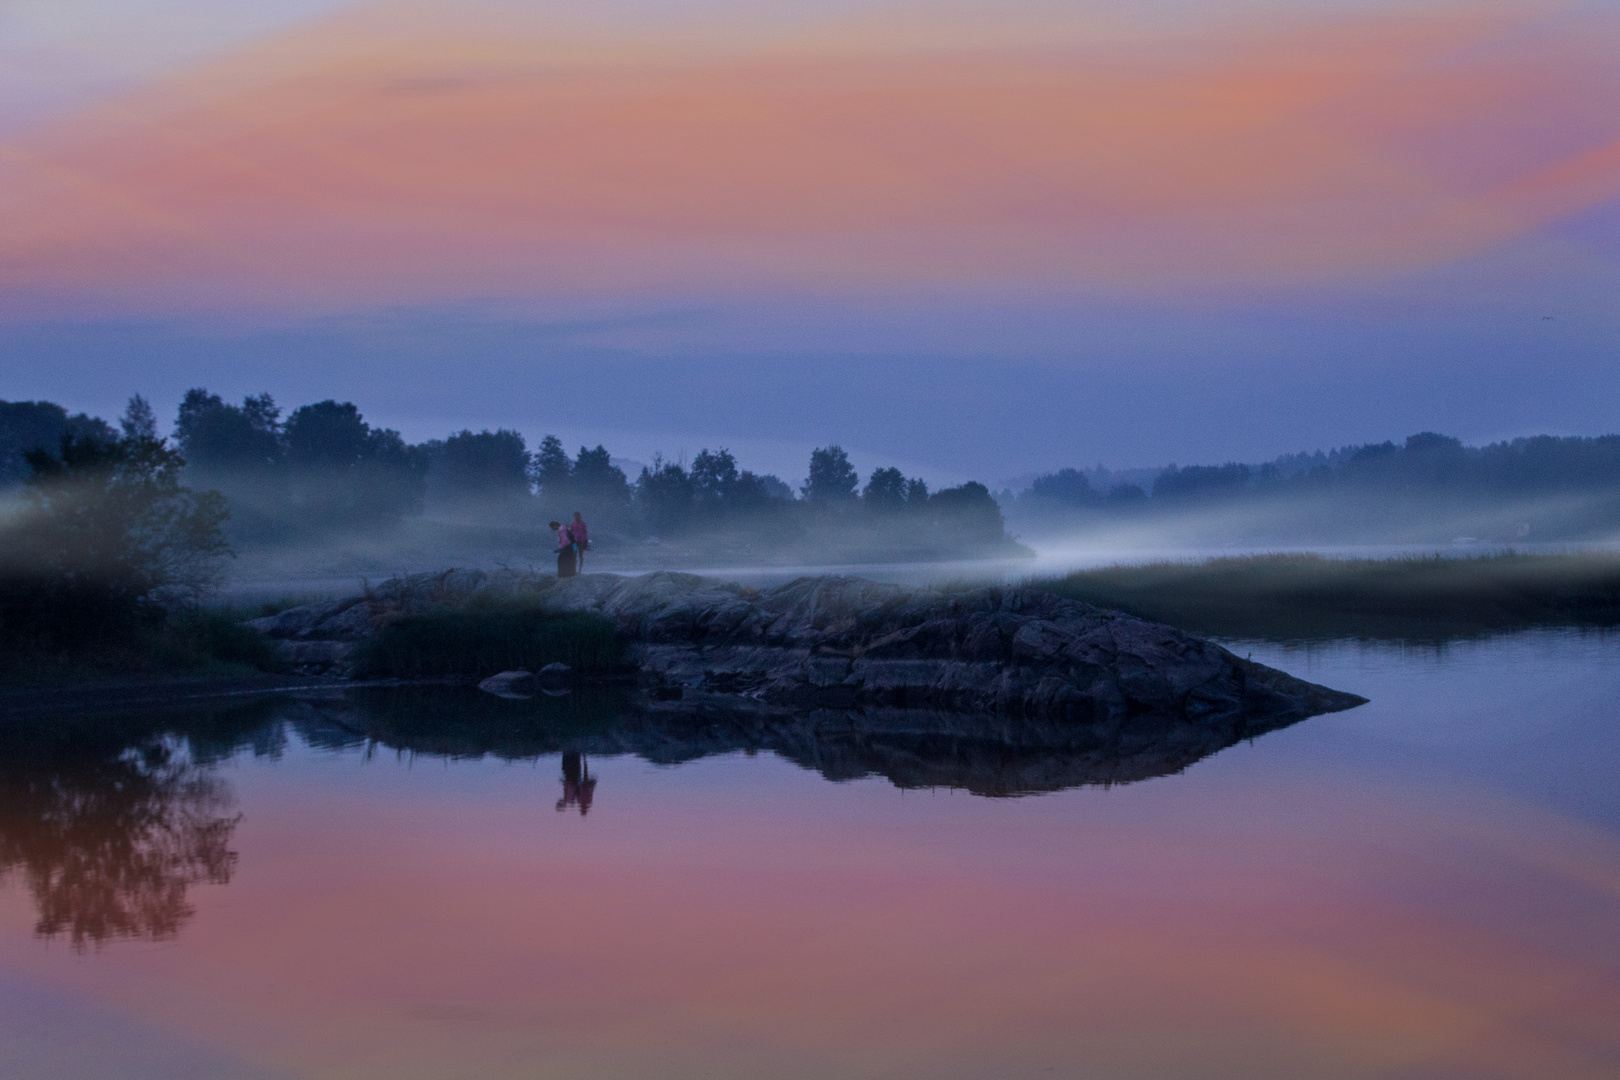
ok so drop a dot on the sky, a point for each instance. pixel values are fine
(971, 239)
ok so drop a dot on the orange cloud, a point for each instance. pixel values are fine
(419, 163)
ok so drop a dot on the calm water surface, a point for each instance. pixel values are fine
(1425, 887)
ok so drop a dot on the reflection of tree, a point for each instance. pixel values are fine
(109, 843)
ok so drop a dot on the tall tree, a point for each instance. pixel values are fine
(480, 466)
(345, 473)
(1066, 486)
(598, 481)
(326, 436)
(664, 492)
(714, 480)
(551, 470)
(832, 478)
(216, 438)
(40, 425)
(970, 512)
(885, 491)
(916, 494)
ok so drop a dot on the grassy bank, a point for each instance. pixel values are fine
(482, 639)
(1307, 597)
(198, 641)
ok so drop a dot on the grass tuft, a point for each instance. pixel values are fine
(483, 639)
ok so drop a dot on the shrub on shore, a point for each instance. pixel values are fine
(190, 640)
(104, 558)
(477, 641)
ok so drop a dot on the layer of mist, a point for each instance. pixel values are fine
(1431, 490)
(322, 493)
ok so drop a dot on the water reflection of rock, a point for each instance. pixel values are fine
(912, 748)
(111, 824)
(109, 827)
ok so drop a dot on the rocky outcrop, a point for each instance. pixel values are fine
(836, 642)
(845, 643)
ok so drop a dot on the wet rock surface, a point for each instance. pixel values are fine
(841, 643)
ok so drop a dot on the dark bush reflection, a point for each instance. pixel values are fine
(109, 824)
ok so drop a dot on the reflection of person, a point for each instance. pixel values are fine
(579, 786)
(582, 541)
(565, 551)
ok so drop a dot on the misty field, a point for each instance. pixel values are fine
(1309, 597)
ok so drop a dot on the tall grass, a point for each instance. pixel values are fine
(480, 641)
(1307, 596)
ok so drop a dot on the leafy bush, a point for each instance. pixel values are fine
(199, 637)
(105, 538)
(480, 642)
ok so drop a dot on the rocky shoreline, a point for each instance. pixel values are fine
(841, 643)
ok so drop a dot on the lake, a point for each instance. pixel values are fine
(413, 885)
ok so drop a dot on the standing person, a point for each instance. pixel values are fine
(565, 550)
(582, 541)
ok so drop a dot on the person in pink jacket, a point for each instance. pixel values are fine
(581, 537)
(566, 564)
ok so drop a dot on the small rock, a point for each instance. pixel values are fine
(518, 685)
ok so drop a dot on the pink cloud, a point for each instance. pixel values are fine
(339, 167)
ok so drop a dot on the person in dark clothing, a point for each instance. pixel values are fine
(566, 566)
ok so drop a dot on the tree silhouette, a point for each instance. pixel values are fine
(40, 425)
(109, 841)
(885, 491)
(214, 437)
(105, 529)
(714, 481)
(832, 478)
(970, 512)
(1065, 486)
(664, 492)
(551, 470)
(597, 482)
(485, 465)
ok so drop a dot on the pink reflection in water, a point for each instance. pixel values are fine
(740, 917)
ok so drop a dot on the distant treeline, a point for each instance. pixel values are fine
(1542, 488)
(323, 470)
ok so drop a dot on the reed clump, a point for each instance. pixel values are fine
(1303, 596)
(484, 637)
